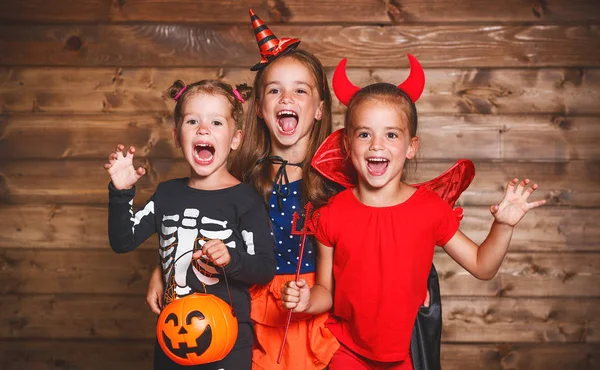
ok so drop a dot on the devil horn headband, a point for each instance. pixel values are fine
(412, 86)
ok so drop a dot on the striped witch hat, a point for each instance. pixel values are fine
(269, 45)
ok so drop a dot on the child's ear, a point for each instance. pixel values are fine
(319, 112)
(413, 147)
(176, 138)
(236, 141)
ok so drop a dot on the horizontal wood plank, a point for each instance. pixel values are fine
(442, 136)
(138, 354)
(180, 45)
(520, 320)
(526, 274)
(55, 354)
(85, 181)
(520, 356)
(306, 11)
(102, 271)
(554, 91)
(547, 229)
(474, 320)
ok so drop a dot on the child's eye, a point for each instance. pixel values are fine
(392, 135)
(192, 121)
(301, 91)
(217, 123)
(363, 135)
(273, 91)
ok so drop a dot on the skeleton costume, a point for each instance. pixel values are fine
(184, 219)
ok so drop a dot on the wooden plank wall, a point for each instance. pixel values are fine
(514, 85)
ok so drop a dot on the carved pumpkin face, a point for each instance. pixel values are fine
(197, 329)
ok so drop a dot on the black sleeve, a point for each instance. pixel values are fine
(126, 230)
(257, 265)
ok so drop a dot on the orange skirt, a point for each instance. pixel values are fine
(309, 344)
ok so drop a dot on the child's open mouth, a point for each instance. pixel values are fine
(377, 165)
(203, 153)
(287, 121)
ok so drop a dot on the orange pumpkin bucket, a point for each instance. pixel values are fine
(197, 329)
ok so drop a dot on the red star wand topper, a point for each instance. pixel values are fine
(309, 228)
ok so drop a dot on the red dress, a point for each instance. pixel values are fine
(382, 259)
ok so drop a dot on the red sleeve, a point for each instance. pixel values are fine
(323, 233)
(448, 224)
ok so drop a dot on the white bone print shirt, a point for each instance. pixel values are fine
(184, 219)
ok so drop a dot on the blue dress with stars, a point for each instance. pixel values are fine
(288, 245)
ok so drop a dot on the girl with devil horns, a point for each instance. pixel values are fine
(383, 231)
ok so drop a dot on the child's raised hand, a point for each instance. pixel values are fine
(514, 205)
(215, 251)
(295, 296)
(120, 168)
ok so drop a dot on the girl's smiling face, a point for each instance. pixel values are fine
(207, 134)
(289, 103)
(379, 143)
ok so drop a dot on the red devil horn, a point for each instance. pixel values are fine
(342, 87)
(415, 82)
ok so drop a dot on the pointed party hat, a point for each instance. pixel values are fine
(269, 45)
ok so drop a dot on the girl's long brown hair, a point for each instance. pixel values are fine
(257, 141)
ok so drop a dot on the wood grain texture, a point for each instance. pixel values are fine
(520, 356)
(137, 355)
(67, 354)
(85, 181)
(306, 11)
(547, 229)
(526, 275)
(179, 45)
(466, 320)
(535, 320)
(513, 85)
(84, 271)
(555, 91)
(477, 137)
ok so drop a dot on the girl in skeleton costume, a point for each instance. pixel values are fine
(376, 239)
(210, 217)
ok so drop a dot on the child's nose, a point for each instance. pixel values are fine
(203, 129)
(286, 98)
(376, 143)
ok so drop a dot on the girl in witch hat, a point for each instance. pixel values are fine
(289, 116)
(384, 231)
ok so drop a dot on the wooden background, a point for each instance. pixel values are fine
(513, 85)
